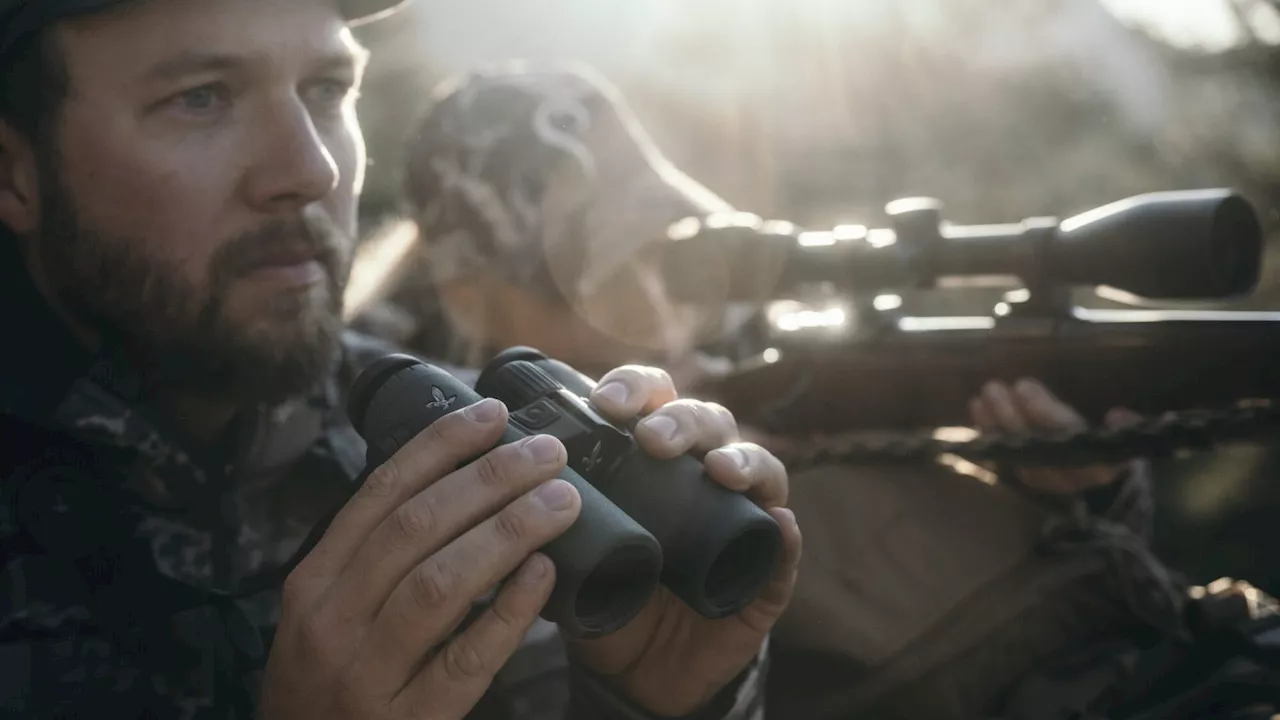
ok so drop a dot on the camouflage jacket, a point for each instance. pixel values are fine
(142, 579)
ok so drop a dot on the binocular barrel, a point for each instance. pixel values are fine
(719, 549)
(1195, 244)
(607, 565)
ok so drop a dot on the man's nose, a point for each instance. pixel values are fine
(293, 167)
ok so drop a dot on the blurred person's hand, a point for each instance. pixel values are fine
(1029, 408)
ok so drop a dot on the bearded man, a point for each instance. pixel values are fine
(178, 186)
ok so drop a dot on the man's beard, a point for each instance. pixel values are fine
(179, 337)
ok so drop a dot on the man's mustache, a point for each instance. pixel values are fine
(282, 242)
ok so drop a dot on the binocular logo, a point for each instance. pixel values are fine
(439, 400)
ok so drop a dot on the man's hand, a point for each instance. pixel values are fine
(1030, 408)
(369, 615)
(670, 660)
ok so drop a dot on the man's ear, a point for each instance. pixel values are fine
(19, 182)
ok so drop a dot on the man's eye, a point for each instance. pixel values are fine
(330, 92)
(201, 99)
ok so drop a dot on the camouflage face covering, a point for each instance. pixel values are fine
(544, 177)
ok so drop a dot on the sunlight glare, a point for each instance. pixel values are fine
(1207, 25)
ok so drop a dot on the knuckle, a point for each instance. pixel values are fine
(657, 386)
(698, 413)
(412, 521)
(511, 525)
(756, 457)
(723, 416)
(660, 378)
(295, 593)
(754, 452)
(507, 619)
(463, 662)
(494, 469)
(778, 469)
(682, 411)
(776, 478)
(319, 642)
(383, 481)
(716, 409)
(431, 585)
(691, 417)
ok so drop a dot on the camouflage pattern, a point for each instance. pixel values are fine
(543, 175)
(141, 580)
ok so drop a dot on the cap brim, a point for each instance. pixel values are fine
(21, 19)
(355, 11)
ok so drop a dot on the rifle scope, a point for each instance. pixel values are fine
(1192, 244)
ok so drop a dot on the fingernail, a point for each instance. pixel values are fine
(555, 495)
(738, 457)
(542, 449)
(533, 571)
(665, 427)
(615, 392)
(485, 411)
(1025, 387)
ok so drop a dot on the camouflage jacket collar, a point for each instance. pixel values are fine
(215, 520)
(199, 510)
(48, 379)
(104, 407)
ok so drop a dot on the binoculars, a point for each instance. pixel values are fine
(644, 521)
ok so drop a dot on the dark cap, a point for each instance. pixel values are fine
(21, 18)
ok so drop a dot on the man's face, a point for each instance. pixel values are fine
(200, 199)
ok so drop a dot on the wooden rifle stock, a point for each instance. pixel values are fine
(905, 381)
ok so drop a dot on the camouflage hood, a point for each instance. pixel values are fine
(544, 176)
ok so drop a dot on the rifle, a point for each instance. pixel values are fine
(813, 374)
